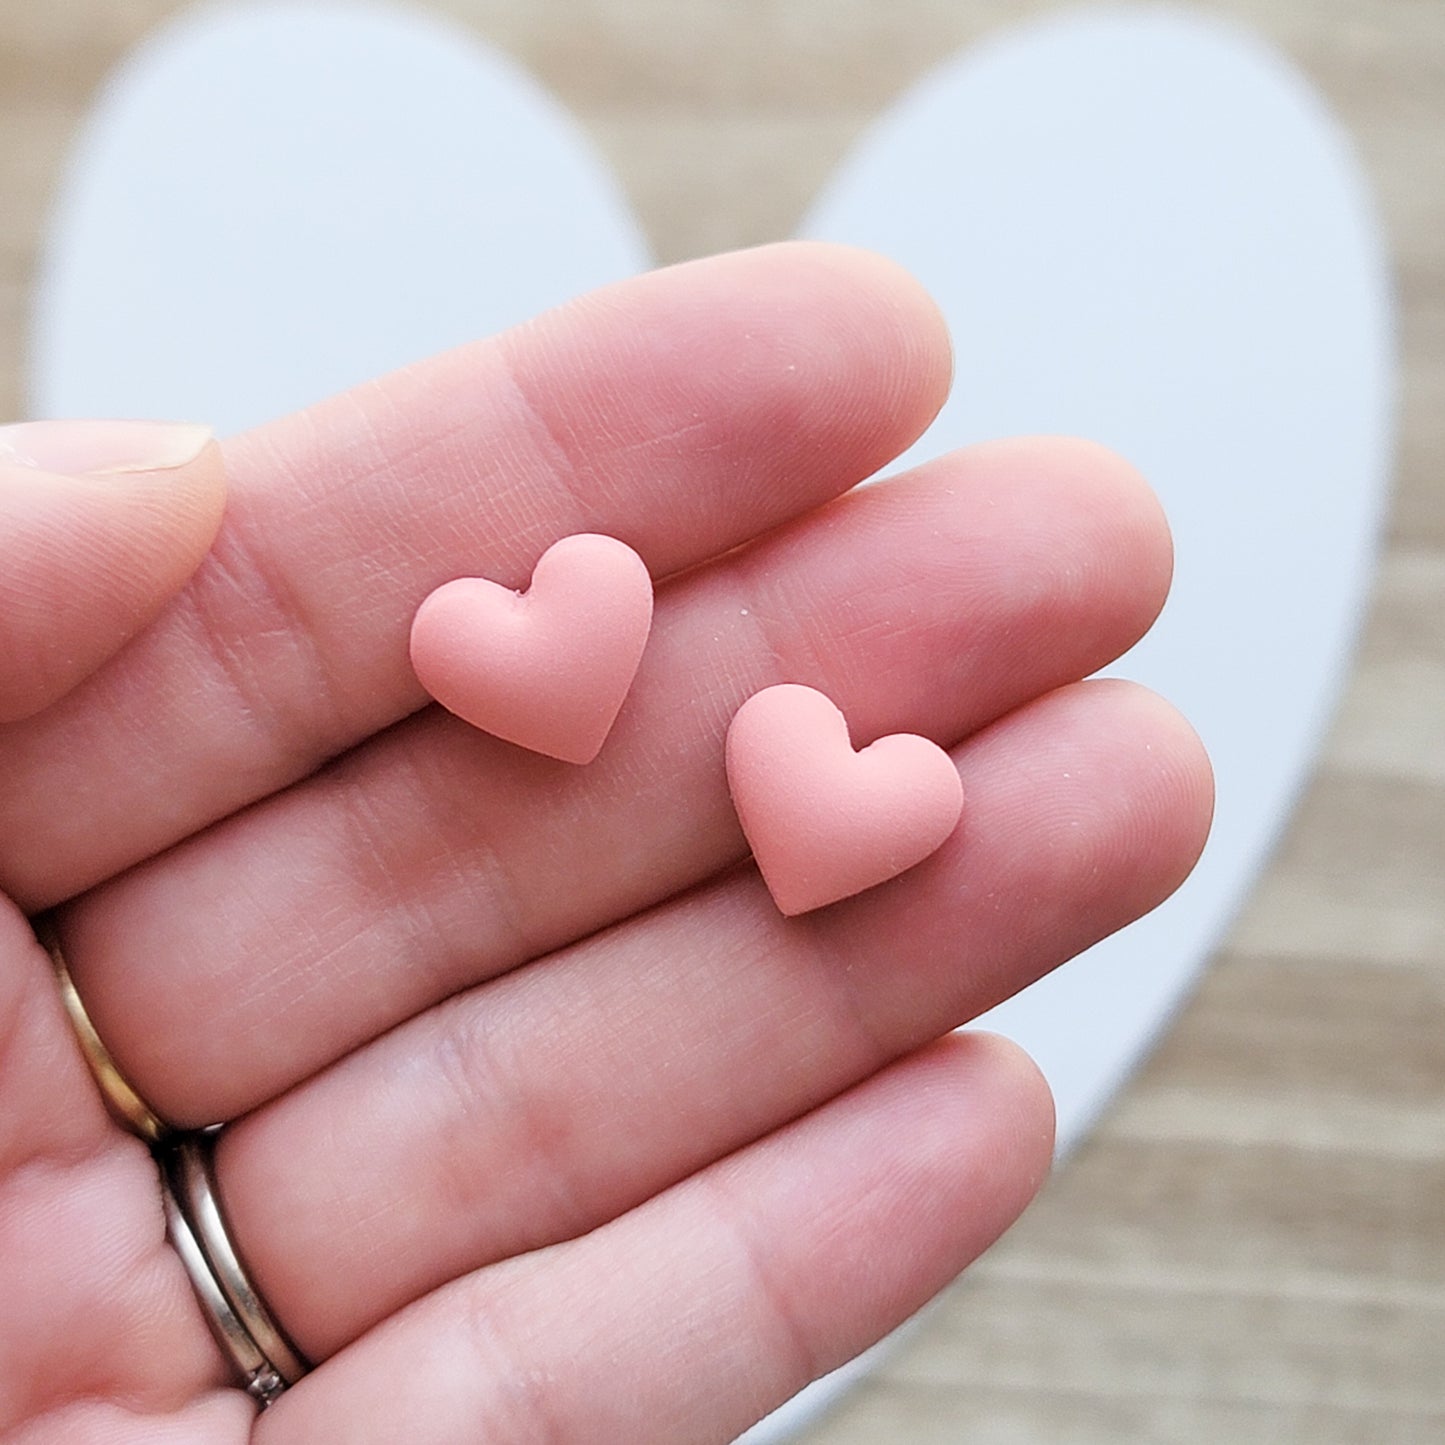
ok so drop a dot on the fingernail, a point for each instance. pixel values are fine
(102, 448)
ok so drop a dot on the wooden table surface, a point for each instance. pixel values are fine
(1251, 1247)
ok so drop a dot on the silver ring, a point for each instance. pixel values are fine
(244, 1327)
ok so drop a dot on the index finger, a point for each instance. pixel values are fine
(684, 411)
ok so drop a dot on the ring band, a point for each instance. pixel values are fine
(245, 1329)
(124, 1103)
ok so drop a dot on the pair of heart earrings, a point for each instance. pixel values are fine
(549, 669)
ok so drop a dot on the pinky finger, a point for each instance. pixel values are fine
(697, 1313)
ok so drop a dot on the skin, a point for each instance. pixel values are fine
(548, 1125)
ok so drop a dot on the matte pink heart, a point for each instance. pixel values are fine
(825, 822)
(549, 668)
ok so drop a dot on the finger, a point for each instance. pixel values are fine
(96, 1305)
(684, 411)
(101, 523)
(437, 857)
(700, 1311)
(222, 1417)
(533, 1109)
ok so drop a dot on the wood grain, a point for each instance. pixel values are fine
(1251, 1247)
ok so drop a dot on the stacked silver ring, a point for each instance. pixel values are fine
(247, 1332)
(268, 1362)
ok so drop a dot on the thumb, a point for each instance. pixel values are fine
(101, 523)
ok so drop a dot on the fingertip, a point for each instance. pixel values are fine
(177, 515)
(1107, 497)
(1119, 551)
(1121, 493)
(1020, 1105)
(820, 344)
(1173, 805)
(1183, 773)
(88, 558)
(873, 279)
(885, 310)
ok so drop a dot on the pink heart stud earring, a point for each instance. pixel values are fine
(825, 822)
(547, 669)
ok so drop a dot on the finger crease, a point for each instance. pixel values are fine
(797, 1351)
(274, 616)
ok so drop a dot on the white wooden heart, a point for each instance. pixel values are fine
(1143, 227)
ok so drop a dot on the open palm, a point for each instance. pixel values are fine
(548, 1125)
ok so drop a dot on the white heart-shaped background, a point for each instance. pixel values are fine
(1143, 227)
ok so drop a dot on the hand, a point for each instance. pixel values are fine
(548, 1125)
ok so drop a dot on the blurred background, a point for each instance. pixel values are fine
(1250, 1247)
